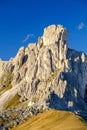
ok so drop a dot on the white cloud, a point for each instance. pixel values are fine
(28, 37)
(81, 26)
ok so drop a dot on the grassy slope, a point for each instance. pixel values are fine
(53, 120)
(6, 80)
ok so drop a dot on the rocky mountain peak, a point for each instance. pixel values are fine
(53, 34)
(47, 74)
(43, 76)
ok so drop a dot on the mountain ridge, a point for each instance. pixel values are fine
(45, 75)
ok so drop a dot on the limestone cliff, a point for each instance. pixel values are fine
(47, 74)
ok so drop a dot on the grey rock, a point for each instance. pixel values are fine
(48, 74)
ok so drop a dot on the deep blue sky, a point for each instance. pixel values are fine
(22, 21)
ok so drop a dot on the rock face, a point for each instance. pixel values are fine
(48, 73)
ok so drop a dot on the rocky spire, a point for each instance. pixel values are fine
(48, 73)
(54, 34)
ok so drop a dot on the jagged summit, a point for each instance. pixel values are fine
(47, 74)
(43, 76)
(53, 34)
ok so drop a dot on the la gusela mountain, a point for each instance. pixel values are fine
(46, 74)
